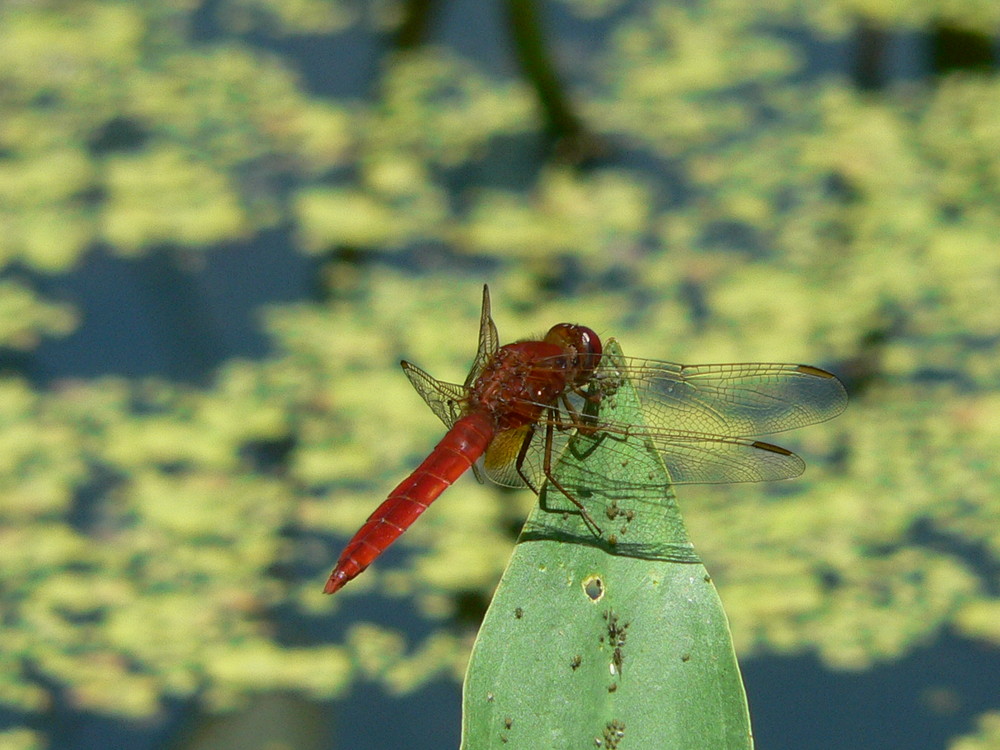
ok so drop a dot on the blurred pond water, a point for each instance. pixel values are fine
(206, 302)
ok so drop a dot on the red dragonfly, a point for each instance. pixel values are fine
(522, 402)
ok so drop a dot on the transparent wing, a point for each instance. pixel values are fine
(445, 399)
(489, 339)
(733, 400)
(699, 419)
(689, 458)
(500, 461)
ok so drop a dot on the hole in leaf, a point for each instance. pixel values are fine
(593, 587)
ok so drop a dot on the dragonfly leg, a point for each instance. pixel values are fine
(578, 421)
(521, 454)
(547, 468)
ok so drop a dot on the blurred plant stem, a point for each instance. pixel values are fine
(413, 29)
(562, 125)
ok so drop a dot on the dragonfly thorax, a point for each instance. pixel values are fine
(520, 381)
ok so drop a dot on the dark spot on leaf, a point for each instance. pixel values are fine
(614, 732)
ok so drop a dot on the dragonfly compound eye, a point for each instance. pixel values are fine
(582, 341)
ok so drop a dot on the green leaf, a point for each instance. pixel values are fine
(617, 641)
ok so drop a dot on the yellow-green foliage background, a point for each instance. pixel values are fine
(816, 223)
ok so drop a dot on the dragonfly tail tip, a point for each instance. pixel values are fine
(335, 582)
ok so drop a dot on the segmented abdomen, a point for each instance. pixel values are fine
(460, 448)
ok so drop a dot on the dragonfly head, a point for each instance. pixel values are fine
(582, 344)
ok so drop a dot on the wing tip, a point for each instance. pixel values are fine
(815, 371)
(793, 467)
(761, 445)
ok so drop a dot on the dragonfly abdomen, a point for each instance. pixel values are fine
(460, 448)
